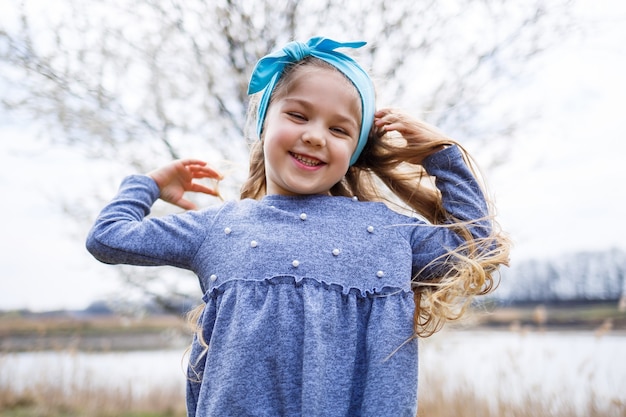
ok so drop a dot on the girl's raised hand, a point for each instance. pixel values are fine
(177, 178)
(418, 134)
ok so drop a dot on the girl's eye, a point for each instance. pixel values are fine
(339, 130)
(296, 115)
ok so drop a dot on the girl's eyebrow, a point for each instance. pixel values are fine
(302, 101)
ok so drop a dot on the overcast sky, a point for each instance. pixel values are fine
(563, 190)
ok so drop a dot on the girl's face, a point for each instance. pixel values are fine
(311, 130)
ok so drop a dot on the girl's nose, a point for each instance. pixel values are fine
(314, 136)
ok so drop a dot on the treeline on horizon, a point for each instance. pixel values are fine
(571, 279)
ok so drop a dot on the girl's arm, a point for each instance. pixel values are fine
(122, 233)
(461, 195)
(463, 199)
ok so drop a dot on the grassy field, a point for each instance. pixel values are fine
(57, 402)
(82, 400)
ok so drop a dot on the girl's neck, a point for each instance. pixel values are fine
(294, 196)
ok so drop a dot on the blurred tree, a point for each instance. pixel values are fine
(141, 82)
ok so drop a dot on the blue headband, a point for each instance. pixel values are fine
(269, 69)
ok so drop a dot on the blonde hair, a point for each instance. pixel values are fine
(389, 170)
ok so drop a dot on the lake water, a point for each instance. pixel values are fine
(567, 368)
(576, 367)
(137, 371)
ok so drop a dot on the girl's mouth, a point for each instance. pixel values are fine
(305, 160)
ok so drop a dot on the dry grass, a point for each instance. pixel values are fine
(84, 401)
(436, 402)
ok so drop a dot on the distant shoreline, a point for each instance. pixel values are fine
(111, 333)
(95, 333)
(94, 343)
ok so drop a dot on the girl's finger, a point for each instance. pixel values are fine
(201, 188)
(205, 172)
(395, 126)
(190, 161)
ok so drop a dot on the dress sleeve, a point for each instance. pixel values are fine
(123, 234)
(462, 198)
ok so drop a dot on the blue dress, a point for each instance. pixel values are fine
(309, 308)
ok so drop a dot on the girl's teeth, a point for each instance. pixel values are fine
(307, 161)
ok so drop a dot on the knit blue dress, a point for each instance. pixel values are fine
(309, 308)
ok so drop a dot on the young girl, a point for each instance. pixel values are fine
(315, 290)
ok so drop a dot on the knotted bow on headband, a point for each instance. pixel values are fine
(270, 68)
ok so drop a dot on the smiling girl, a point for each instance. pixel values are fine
(315, 289)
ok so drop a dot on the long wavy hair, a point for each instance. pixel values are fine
(386, 172)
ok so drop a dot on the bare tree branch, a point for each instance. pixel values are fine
(153, 80)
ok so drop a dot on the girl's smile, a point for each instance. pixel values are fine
(307, 161)
(310, 133)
